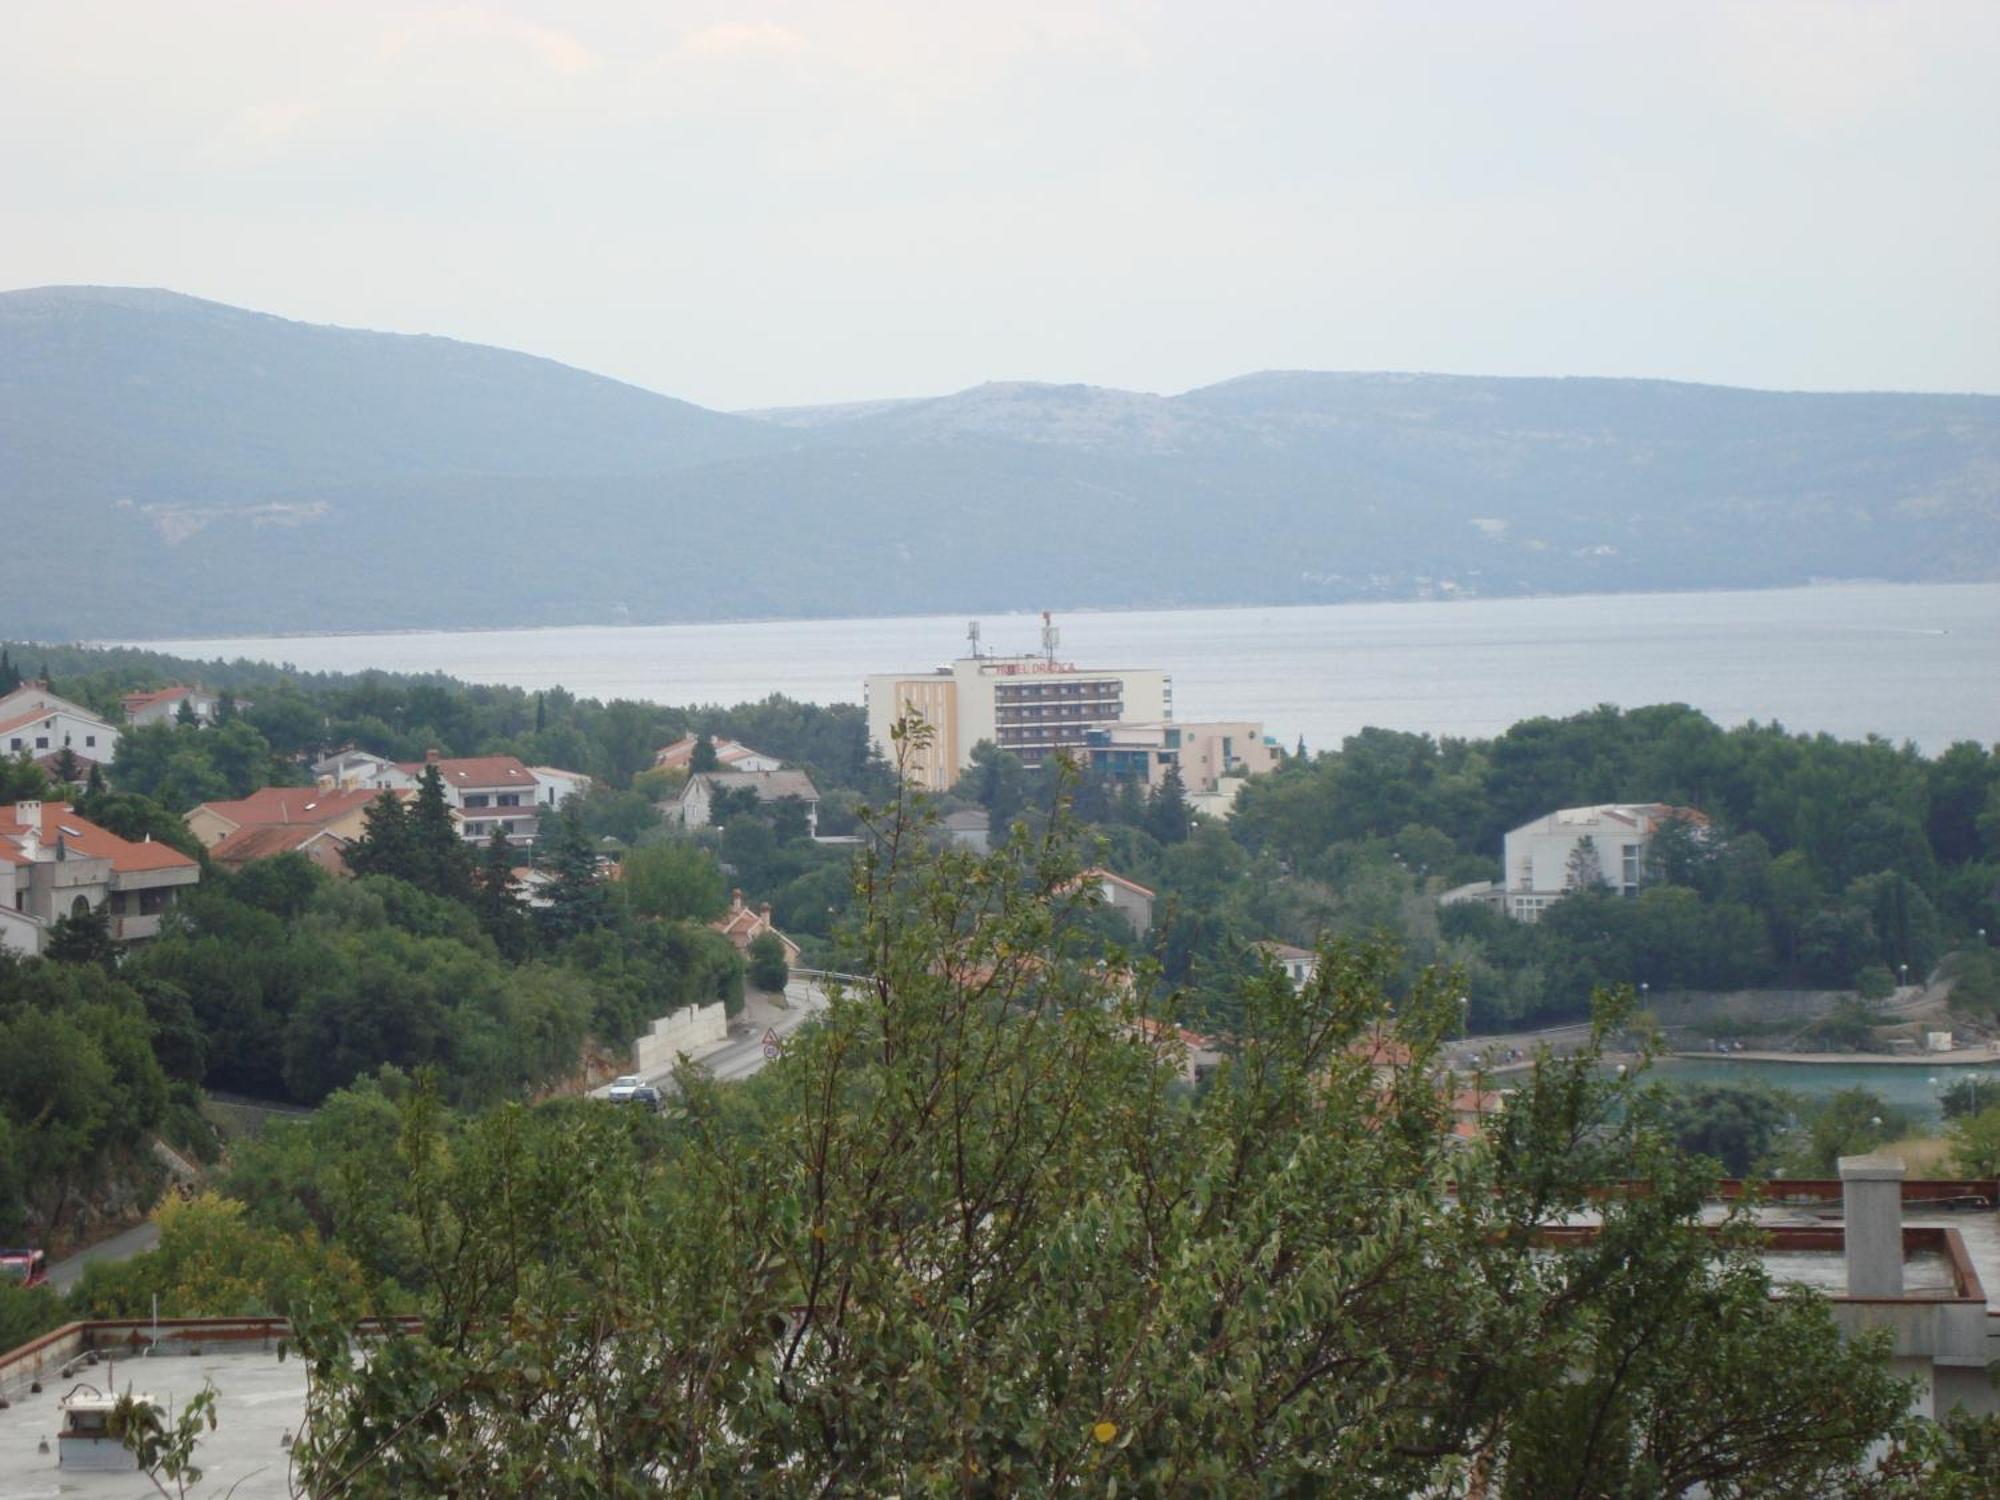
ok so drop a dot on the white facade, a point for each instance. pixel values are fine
(164, 706)
(35, 722)
(55, 864)
(1031, 706)
(1579, 847)
(485, 791)
(351, 768)
(554, 787)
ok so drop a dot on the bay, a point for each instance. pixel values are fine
(1907, 661)
(1911, 1087)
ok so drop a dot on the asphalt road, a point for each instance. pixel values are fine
(65, 1274)
(743, 1054)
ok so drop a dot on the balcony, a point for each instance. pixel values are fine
(135, 929)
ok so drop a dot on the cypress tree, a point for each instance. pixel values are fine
(578, 900)
(703, 757)
(1167, 814)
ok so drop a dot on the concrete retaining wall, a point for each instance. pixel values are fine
(686, 1030)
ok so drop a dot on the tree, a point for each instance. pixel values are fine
(1167, 816)
(82, 937)
(970, 1233)
(69, 770)
(1975, 1143)
(578, 900)
(185, 716)
(386, 845)
(441, 863)
(702, 757)
(676, 879)
(501, 911)
(768, 969)
(1735, 1126)
(1583, 870)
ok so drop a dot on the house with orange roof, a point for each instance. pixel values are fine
(730, 755)
(163, 705)
(485, 792)
(744, 924)
(35, 722)
(314, 821)
(56, 864)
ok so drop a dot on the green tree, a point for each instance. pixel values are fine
(1167, 817)
(440, 862)
(703, 757)
(501, 910)
(1975, 1143)
(971, 1233)
(1736, 1126)
(768, 968)
(578, 899)
(82, 937)
(387, 845)
(674, 878)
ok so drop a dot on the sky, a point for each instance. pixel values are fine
(771, 203)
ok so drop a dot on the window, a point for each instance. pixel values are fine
(505, 799)
(41, 742)
(90, 739)
(476, 799)
(475, 830)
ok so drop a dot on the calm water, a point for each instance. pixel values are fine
(1919, 662)
(1906, 1085)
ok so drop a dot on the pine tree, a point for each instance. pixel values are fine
(441, 863)
(1167, 814)
(69, 770)
(83, 938)
(500, 908)
(10, 675)
(385, 846)
(95, 786)
(578, 900)
(185, 715)
(703, 757)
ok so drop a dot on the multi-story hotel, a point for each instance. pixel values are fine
(1032, 706)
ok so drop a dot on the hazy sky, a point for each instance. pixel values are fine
(768, 202)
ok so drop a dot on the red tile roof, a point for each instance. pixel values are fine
(297, 805)
(681, 753)
(135, 701)
(1116, 879)
(59, 820)
(265, 840)
(475, 773)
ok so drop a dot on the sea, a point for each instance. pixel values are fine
(1909, 662)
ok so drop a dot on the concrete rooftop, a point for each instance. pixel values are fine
(257, 1401)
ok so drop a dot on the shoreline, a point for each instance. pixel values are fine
(1961, 1058)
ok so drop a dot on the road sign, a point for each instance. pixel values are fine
(771, 1042)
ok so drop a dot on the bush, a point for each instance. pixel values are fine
(768, 969)
(1875, 982)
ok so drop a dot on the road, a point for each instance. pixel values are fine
(65, 1274)
(743, 1054)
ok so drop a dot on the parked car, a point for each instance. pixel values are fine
(624, 1086)
(31, 1267)
(645, 1095)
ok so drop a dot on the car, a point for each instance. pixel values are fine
(624, 1086)
(24, 1267)
(645, 1095)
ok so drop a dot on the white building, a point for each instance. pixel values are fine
(1032, 706)
(164, 706)
(1576, 848)
(349, 768)
(35, 722)
(693, 806)
(486, 791)
(1300, 965)
(555, 786)
(54, 864)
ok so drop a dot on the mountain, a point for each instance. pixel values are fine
(201, 469)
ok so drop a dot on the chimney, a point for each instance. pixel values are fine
(1871, 1190)
(431, 756)
(29, 815)
(764, 911)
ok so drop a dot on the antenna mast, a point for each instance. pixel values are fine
(972, 635)
(1051, 638)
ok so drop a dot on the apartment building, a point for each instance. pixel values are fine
(486, 792)
(55, 864)
(1577, 847)
(1206, 753)
(164, 705)
(1032, 706)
